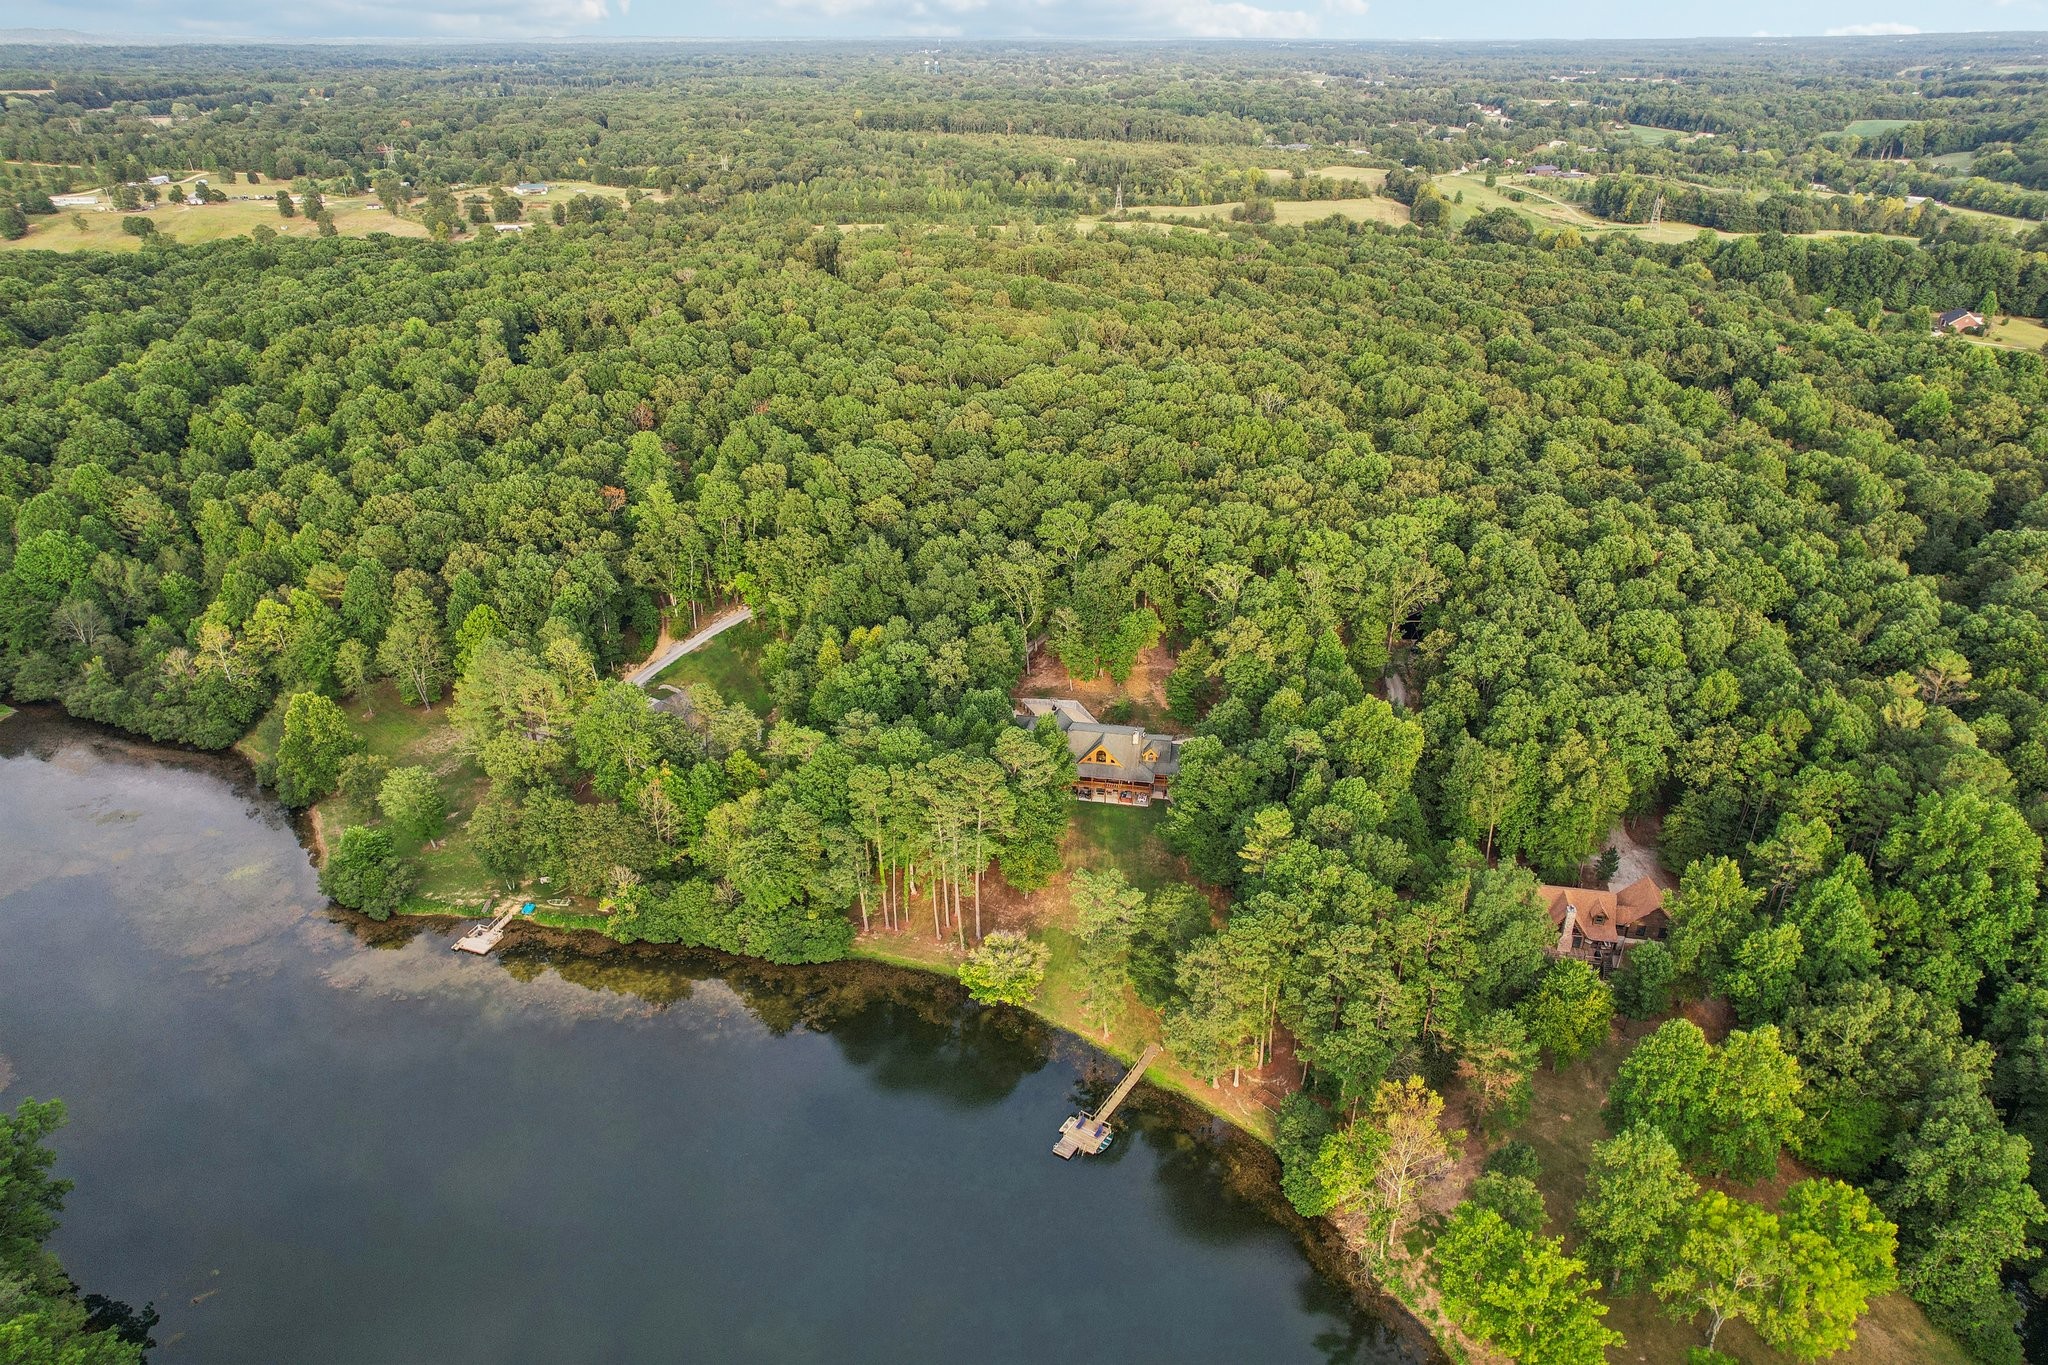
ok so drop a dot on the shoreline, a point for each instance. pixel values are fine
(1321, 1241)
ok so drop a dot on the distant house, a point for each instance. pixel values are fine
(1599, 926)
(159, 180)
(1545, 169)
(197, 201)
(1123, 765)
(1961, 320)
(509, 227)
(75, 201)
(529, 187)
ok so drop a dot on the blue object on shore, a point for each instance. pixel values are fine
(526, 909)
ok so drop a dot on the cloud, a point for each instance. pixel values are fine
(1146, 19)
(1877, 30)
(1351, 7)
(1225, 19)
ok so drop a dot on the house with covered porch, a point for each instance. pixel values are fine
(1600, 926)
(1125, 765)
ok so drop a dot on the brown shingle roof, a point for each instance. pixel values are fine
(1639, 905)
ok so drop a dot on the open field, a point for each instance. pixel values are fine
(1286, 212)
(1370, 176)
(1653, 135)
(2018, 334)
(1876, 127)
(250, 206)
(1955, 161)
(184, 224)
(1535, 203)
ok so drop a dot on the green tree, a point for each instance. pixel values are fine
(1005, 968)
(1106, 909)
(1495, 1057)
(364, 872)
(1642, 989)
(1519, 1292)
(412, 652)
(1728, 1265)
(1634, 1215)
(284, 204)
(1664, 1083)
(1570, 1012)
(316, 738)
(42, 1321)
(1712, 912)
(411, 800)
(1753, 1105)
(1409, 1148)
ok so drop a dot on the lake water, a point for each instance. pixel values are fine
(307, 1138)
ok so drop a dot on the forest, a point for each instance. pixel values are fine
(1466, 545)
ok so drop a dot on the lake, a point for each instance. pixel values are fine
(310, 1138)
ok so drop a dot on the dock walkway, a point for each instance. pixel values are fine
(1090, 1133)
(485, 937)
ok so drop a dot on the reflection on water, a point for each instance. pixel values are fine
(309, 1137)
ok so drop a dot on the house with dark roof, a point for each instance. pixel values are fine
(1960, 320)
(1125, 765)
(1600, 926)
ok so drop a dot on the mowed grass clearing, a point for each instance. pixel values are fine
(404, 736)
(250, 206)
(1286, 212)
(730, 663)
(1876, 127)
(2017, 334)
(185, 224)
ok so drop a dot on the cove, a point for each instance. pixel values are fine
(309, 1138)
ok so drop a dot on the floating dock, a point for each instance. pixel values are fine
(485, 937)
(1090, 1133)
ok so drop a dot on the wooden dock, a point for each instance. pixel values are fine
(485, 937)
(1090, 1133)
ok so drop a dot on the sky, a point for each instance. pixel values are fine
(969, 19)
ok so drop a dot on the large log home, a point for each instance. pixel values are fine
(1124, 765)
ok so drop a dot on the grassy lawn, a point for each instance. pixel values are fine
(1536, 203)
(1653, 135)
(1876, 127)
(1563, 1124)
(2019, 334)
(730, 662)
(1126, 838)
(410, 736)
(406, 736)
(1955, 161)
